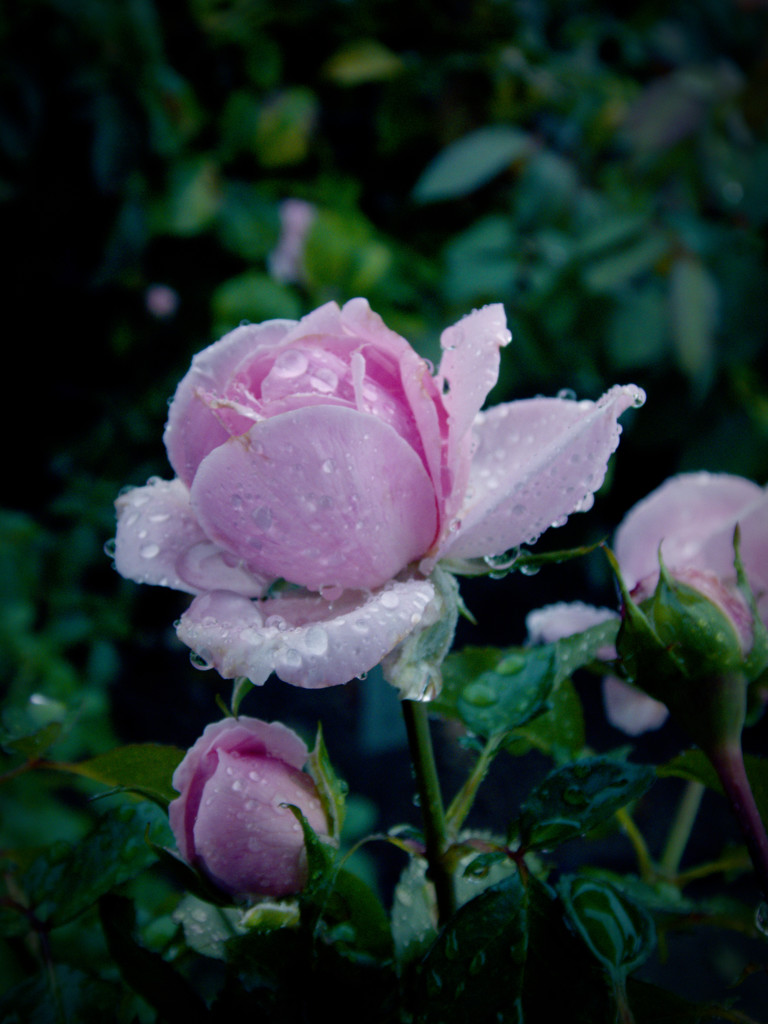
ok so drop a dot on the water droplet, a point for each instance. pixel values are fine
(331, 592)
(480, 695)
(262, 517)
(389, 599)
(511, 665)
(567, 393)
(199, 661)
(110, 547)
(328, 466)
(575, 796)
(149, 551)
(316, 640)
(289, 364)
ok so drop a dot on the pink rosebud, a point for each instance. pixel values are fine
(691, 519)
(328, 454)
(230, 820)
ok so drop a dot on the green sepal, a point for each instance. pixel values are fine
(331, 789)
(415, 665)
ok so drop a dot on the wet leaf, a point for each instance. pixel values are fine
(145, 768)
(574, 799)
(470, 162)
(486, 940)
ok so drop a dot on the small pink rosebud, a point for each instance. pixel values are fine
(231, 820)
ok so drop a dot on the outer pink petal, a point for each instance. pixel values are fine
(537, 461)
(193, 429)
(631, 710)
(306, 640)
(694, 515)
(321, 496)
(160, 541)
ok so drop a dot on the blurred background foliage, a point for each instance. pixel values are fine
(604, 176)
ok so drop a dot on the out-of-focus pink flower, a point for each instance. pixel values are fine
(286, 261)
(161, 301)
(229, 820)
(327, 454)
(691, 519)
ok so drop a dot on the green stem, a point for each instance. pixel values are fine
(431, 805)
(680, 832)
(633, 833)
(728, 762)
(462, 802)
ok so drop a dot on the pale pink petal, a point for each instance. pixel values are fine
(537, 461)
(694, 515)
(555, 621)
(159, 541)
(631, 710)
(470, 366)
(193, 428)
(322, 496)
(304, 639)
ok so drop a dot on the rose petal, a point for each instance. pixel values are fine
(159, 541)
(193, 428)
(470, 366)
(555, 621)
(306, 640)
(631, 710)
(320, 496)
(537, 461)
(693, 517)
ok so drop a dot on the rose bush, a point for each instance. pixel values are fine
(326, 453)
(690, 520)
(230, 820)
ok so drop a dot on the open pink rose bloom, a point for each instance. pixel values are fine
(231, 819)
(328, 454)
(691, 518)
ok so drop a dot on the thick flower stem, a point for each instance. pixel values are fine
(431, 805)
(728, 762)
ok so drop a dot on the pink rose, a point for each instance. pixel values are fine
(691, 518)
(326, 453)
(229, 820)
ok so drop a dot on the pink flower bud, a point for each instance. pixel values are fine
(230, 820)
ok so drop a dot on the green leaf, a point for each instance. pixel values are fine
(558, 732)
(254, 297)
(145, 768)
(619, 931)
(79, 997)
(364, 60)
(614, 271)
(66, 880)
(694, 303)
(510, 694)
(470, 162)
(284, 127)
(35, 745)
(486, 941)
(147, 973)
(574, 799)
